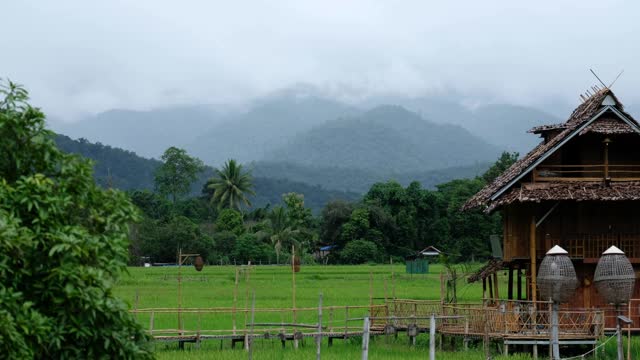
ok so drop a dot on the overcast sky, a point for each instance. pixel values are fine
(88, 56)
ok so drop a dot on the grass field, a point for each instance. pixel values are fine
(340, 285)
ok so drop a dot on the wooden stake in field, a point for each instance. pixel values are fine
(432, 337)
(253, 312)
(293, 292)
(393, 281)
(319, 336)
(365, 339)
(247, 276)
(370, 290)
(180, 291)
(235, 302)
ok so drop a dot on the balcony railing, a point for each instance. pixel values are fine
(587, 172)
(591, 246)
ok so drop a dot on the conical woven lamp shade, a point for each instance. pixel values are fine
(614, 277)
(557, 280)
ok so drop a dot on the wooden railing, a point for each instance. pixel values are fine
(521, 319)
(587, 172)
(591, 246)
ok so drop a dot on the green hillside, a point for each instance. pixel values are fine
(127, 171)
(387, 139)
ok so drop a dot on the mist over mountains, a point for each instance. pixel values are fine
(303, 139)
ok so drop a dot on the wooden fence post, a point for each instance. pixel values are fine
(365, 339)
(250, 338)
(319, 337)
(432, 337)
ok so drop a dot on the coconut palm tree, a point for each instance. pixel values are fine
(230, 186)
(279, 231)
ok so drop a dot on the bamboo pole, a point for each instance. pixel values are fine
(253, 312)
(385, 291)
(393, 281)
(370, 289)
(180, 291)
(629, 334)
(293, 284)
(319, 336)
(247, 277)
(235, 303)
(135, 304)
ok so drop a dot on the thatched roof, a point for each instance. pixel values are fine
(578, 191)
(580, 116)
(608, 125)
(493, 266)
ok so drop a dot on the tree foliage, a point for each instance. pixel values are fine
(230, 186)
(177, 172)
(63, 244)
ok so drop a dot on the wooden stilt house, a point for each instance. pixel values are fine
(580, 189)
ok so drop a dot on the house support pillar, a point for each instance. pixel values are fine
(533, 255)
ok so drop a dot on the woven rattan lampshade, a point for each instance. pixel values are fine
(557, 278)
(614, 277)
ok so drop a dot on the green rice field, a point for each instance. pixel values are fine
(214, 287)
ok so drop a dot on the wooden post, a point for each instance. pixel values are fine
(629, 334)
(496, 285)
(519, 283)
(385, 291)
(151, 323)
(235, 302)
(319, 336)
(466, 333)
(180, 291)
(246, 304)
(293, 292)
(606, 158)
(442, 287)
(510, 283)
(555, 344)
(253, 313)
(484, 290)
(393, 281)
(534, 259)
(370, 291)
(432, 337)
(346, 320)
(365, 339)
(137, 299)
(490, 288)
(619, 333)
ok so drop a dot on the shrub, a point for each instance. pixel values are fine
(63, 244)
(359, 252)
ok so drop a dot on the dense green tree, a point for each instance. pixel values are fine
(360, 251)
(162, 240)
(333, 216)
(248, 247)
(63, 244)
(504, 162)
(224, 243)
(230, 220)
(230, 186)
(176, 174)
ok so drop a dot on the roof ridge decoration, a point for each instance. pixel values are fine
(585, 114)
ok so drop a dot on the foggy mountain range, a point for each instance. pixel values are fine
(290, 126)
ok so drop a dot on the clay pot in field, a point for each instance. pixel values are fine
(198, 263)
